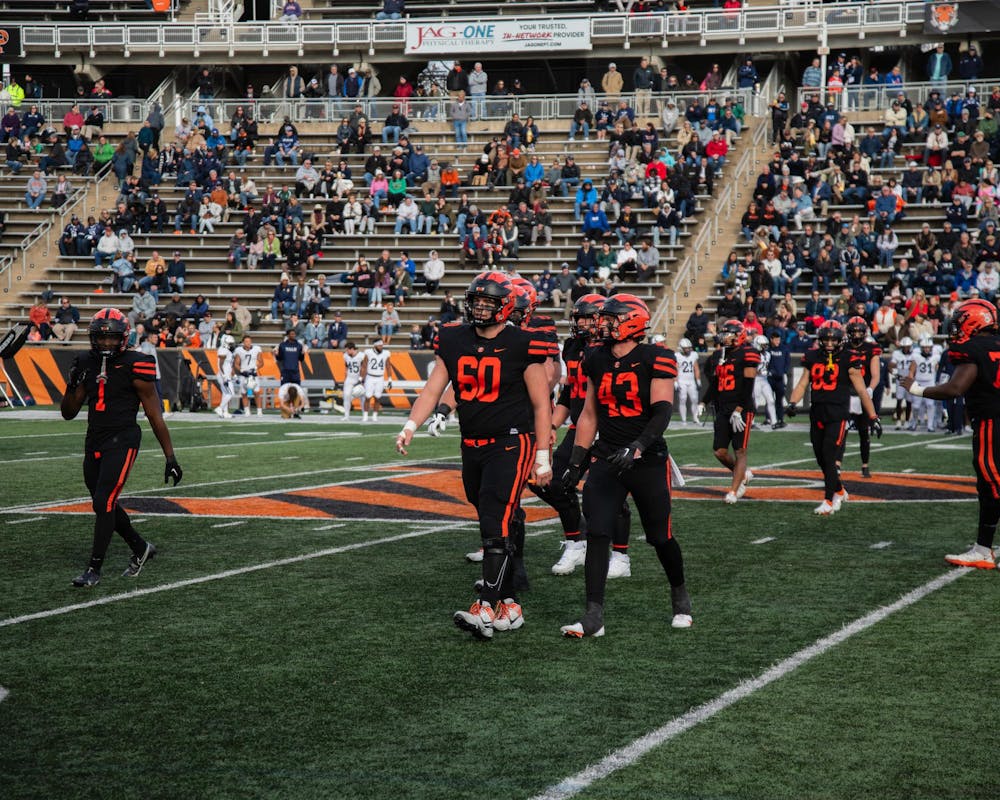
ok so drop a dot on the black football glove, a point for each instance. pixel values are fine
(624, 457)
(571, 477)
(876, 424)
(791, 410)
(173, 470)
(77, 375)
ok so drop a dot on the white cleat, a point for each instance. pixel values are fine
(620, 566)
(742, 490)
(839, 498)
(478, 620)
(475, 557)
(977, 557)
(824, 509)
(573, 556)
(731, 498)
(509, 616)
(260, 411)
(681, 621)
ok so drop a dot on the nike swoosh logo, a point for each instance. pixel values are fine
(508, 449)
(500, 350)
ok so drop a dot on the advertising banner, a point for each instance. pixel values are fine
(962, 16)
(509, 36)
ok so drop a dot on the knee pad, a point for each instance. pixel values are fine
(498, 546)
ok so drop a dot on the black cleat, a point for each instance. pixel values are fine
(865, 472)
(89, 577)
(136, 563)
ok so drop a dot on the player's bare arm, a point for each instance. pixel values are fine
(424, 405)
(960, 382)
(800, 389)
(875, 371)
(540, 392)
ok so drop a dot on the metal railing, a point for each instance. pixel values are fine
(879, 97)
(436, 109)
(773, 24)
(725, 204)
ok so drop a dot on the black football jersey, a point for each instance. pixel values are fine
(111, 400)
(866, 352)
(488, 378)
(728, 372)
(574, 392)
(829, 377)
(544, 329)
(982, 401)
(622, 386)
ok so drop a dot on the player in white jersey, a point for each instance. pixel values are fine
(354, 363)
(763, 394)
(926, 363)
(688, 378)
(901, 365)
(376, 365)
(227, 386)
(292, 400)
(245, 362)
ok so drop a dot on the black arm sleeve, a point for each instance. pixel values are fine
(563, 396)
(746, 394)
(658, 420)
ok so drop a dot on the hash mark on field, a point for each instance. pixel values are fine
(230, 573)
(355, 458)
(20, 521)
(289, 458)
(230, 524)
(765, 540)
(632, 752)
(880, 545)
(4, 694)
(909, 469)
(330, 527)
(228, 455)
(38, 453)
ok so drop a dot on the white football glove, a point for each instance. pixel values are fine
(438, 424)
(736, 420)
(701, 409)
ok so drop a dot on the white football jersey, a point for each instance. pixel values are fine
(927, 367)
(685, 366)
(901, 362)
(377, 362)
(283, 392)
(225, 356)
(249, 359)
(764, 365)
(352, 364)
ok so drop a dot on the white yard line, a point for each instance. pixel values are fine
(632, 752)
(22, 521)
(229, 573)
(851, 452)
(230, 524)
(765, 540)
(330, 527)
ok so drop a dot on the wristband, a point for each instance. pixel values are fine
(410, 426)
(542, 460)
(916, 390)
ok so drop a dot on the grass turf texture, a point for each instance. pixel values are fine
(343, 676)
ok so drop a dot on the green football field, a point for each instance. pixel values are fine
(293, 637)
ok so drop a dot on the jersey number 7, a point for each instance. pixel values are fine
(479, 378)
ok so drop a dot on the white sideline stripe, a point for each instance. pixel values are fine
(765, 540)
(218, 576)
(4, 694)
(230, 524)
(22, 521)
(880, 545)
(22, 509)
(632, 752)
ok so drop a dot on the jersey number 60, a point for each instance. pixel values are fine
(479, 378)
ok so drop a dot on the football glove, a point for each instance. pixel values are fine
(173, 470)
(624, 457)
(737, 422)
(791, 410)
(77, 375)
(438, 424)
(571, 477)
(876, 425)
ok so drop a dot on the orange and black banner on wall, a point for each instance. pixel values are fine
(10, 43)
(962, 16)
(40, 373)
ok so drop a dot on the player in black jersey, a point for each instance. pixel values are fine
(730, 373)
(503, 400)
(974, 349)
(859, 341)
(831, 370)
(114, 381)
(630, 391)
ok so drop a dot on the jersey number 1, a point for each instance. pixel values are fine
(479, 378)
(99, 405)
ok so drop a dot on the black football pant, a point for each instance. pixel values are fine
(864, 428)
(828, 436)
(986, 460)
(494, 471)
(105, 473)
(567, 502)
(604, 493)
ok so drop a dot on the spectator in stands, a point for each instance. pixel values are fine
(746, 75)
(595, 223)
(282, 300)
(35, 190)
(456, 82)
(291, 11)
(812, 77)
(612, 83)
(395, 124)
(939, 66)
(406, 214)
(478, 82)
(970, 65)
(460, 111)
(643, 80)
(209, 215)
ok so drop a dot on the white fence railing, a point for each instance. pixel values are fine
(771, 24)
(878, 97)
(500, 108)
